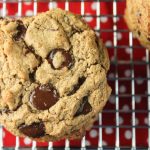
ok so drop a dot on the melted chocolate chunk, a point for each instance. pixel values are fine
(77, 86)
(34, 130)
(20, 30)
(85, 107)
(44, 97)
(68, 59)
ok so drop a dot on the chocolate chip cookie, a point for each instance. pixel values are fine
(53, 76)
(137, 18)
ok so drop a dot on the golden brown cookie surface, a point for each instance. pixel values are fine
(53, 76)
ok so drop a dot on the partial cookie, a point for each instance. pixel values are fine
(138, 20)
(53, 76)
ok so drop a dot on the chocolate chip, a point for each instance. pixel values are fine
(85, 107)
(20, 97)
(77, 86)
(68, 59)
(139, 33)
(32, 76)
(148, 39)
(44, 97)
(20, 30)
(34, 130)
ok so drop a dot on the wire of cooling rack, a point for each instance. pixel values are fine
(98, 12)
(148, 75)
(116, 79)
(116, 73)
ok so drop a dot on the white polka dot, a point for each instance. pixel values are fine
(54, 5)
(109, 130)
(125, 108)
(27, 141)
(112, 100)
(136, 121)
(93, 6)
(122, 89)
(29, 13)
(104, 143)
(111, 75)
(108, 43)
(4, 133)
(87, 143)
(119, 36)
(88, 18)
(27, 3)
(128, 134)
(104, 19)
(146, 121)
(138, 99)
(139, 81)
(112, 58)
(121, 120)
(128, 50)
(118, 19)
(93, 133)
(127, 73)
(144, 58)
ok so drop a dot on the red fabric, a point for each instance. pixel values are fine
(124, 73)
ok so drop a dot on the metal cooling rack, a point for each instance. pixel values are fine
(116, 79)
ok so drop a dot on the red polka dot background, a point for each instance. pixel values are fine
(124, 121)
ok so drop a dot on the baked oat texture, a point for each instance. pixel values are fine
(137, 16)
(53, 76)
